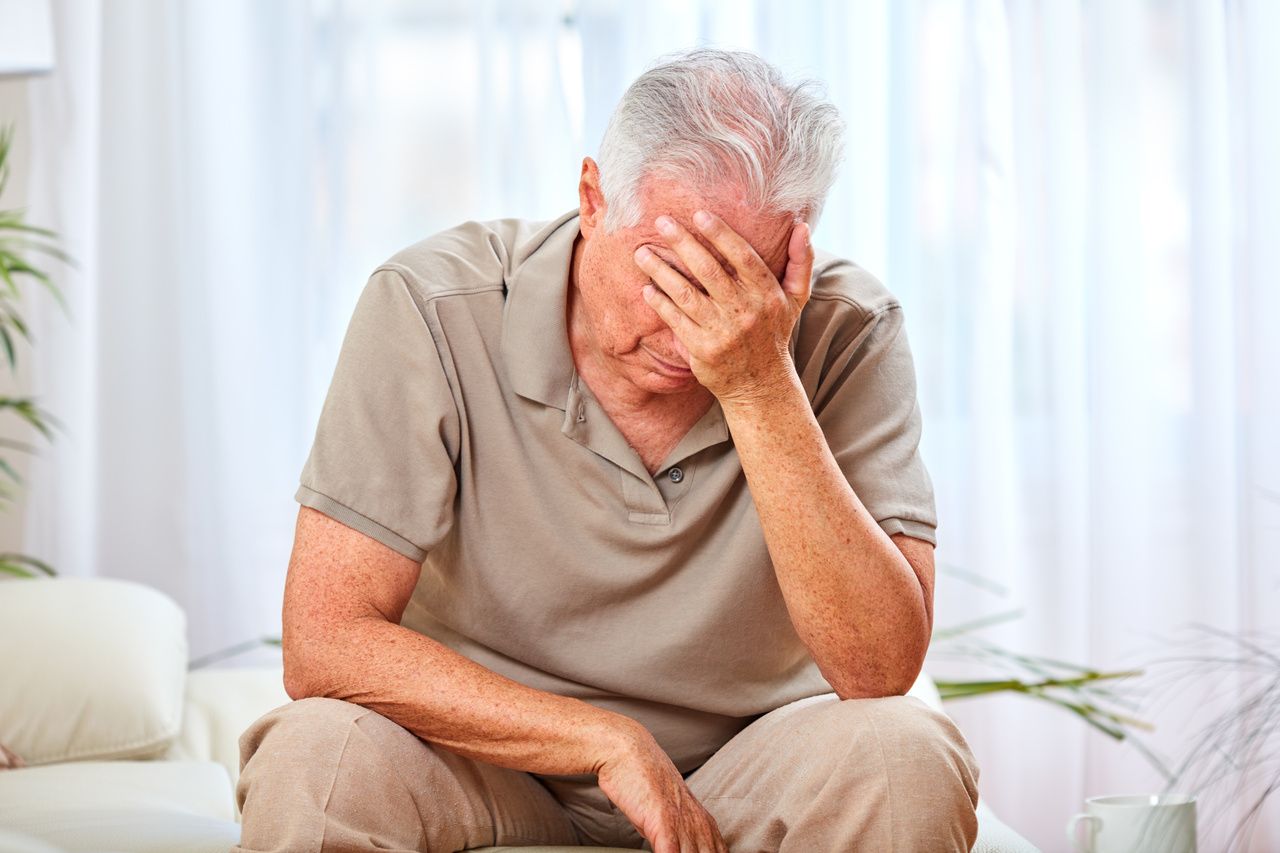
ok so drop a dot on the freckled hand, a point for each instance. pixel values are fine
(733, 328)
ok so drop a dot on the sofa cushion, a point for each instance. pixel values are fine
(136, 806)
(20, 842)
(93, 668)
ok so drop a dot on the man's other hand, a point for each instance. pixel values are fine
(643, 783)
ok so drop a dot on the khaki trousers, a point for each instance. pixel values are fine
(816, 776)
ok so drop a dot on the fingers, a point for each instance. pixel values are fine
(736, 250)
(648, 789)
(684, 327)
(704, 265)
(673, 286)
(691, 830)
(702, 834)
(798, 279)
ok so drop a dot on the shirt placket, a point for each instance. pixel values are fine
(588, 424)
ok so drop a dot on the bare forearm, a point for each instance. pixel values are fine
(454, 702)
(855, 600)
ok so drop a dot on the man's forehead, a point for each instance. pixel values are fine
(767, 234)
(659, 247)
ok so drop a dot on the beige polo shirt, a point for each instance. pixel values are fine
(456, 431)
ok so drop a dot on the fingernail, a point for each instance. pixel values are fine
(702, 219)
(665, 225)
(642, 253)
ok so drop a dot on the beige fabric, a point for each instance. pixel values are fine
(456, 431)
(94, 668)
(994, 836)
(817, 774)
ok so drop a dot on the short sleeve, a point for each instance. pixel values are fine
(867, 408)
(382, 461)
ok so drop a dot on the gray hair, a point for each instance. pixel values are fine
(711, 117)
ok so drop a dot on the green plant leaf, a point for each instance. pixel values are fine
(8, 469)
(11, 244)
(977, 624)
(22, 565)
(14, 444)
(7, 339)
(11, 220)
(972, 578)
(25, 408)
(12, 316)
(16, 571)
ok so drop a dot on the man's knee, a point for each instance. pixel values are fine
(291, 743)
(904, 723)
(321, 768)
(914, 739)
(300, 724)
(925, 761)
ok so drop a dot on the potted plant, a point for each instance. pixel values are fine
(1233, 756)
(18, 239)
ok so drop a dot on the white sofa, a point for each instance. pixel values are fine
(127, 750)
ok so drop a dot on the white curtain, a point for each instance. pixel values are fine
(1078, 204)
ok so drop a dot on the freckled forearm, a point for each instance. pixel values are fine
(853, 597)
(452, 701)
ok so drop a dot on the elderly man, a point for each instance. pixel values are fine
(599, 513)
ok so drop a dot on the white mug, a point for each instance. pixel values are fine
(1142, 823)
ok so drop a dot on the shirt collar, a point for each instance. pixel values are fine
(535, 333)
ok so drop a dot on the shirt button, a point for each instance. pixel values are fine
(676, 475)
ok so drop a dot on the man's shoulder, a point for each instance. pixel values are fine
(845, 305)
(845, 284)
(471, 257)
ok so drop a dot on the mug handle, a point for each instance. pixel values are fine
(1071, 832)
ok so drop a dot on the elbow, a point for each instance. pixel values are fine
(896, 678)
(902, 675)
(902, 685)
(872, 690)
(907, 673)
(295, 686)
(300, 667)
(316, 658)
(851, 684)
(296, 683)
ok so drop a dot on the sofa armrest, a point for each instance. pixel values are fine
(220, 704)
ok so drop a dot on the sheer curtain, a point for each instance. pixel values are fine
(1077, 203)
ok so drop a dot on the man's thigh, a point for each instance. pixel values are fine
(823, 773)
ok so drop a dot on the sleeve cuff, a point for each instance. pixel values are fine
(344, 514)
(911, 527)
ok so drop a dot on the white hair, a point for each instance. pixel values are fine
(710, 118)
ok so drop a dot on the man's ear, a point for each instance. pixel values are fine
(591, 206)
